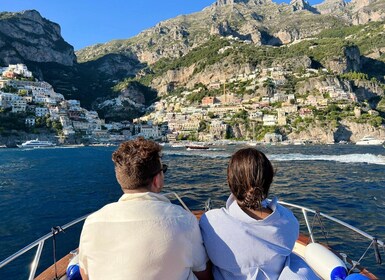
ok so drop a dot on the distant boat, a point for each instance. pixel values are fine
(176, 145)
(369, 140)
(196, 147)
(299, 142)
(252, 143)
(36, 144)
(102, 145)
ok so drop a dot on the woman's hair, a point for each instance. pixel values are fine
(249, 175)
(136, 163)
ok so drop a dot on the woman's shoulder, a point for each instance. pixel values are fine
(286, 219)
(285, 212)
(213, 215)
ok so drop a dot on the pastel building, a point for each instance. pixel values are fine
(269, 120)
(30, 121)
(19, 105)
(41, 111)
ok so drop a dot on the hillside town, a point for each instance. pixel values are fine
(36, 100)
(264, 106)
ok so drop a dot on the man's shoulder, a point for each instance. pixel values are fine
(102, 212)
(177, 210)
(141, 211)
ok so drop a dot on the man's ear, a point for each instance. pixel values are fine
(156, 185)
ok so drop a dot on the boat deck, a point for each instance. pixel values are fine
(61, 265)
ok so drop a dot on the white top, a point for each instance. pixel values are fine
(241, 247)
(142, 236)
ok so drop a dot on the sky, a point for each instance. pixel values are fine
(88, 22)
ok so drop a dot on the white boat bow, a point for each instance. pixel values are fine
(58, 269)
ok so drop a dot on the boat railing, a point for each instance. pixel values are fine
(305, 212)
(39, 243)
(373, 241)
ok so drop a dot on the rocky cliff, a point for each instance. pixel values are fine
(229, 67)
(345, 131)
(27, 36)
(261, 22)
(314, 84)
(350, 61)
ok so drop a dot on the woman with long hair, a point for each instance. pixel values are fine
(252, 237)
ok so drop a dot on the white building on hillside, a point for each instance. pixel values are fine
(20, 69)
(30, 121)
(149, 131)
(54, 113)
(256, 115)
(19, 106)
(269, 120)
(41, 111)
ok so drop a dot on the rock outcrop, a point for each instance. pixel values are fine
(364, 11)
(317, 132)
(302, 62)
(315, 84)
(368, 91)
(26, 36)
(345, 131)
(115, 66)
(358, 130)
(262, 22)
(331, 6)
(299, 5)
(349, 62)
(186, 77)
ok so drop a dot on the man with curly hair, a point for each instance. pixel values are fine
(143, 235)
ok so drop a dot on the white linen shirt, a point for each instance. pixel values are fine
(241, 247)
(142, 236)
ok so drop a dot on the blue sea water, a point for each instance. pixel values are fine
(41, 188)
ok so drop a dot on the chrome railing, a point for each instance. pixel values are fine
(374, 242)
(39, 243)
(305, 211)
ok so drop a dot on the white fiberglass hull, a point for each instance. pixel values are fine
(370, 142)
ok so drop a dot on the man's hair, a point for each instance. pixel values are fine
(136, 163)
(249, 175)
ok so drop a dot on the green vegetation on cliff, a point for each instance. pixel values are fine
(11, 123)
